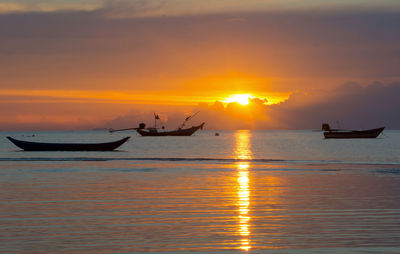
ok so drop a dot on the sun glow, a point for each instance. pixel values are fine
(242, 99)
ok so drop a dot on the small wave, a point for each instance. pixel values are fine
(392, 171)
(200, 159)
(137, 159)
(55, 159)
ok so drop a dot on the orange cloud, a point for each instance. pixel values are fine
(61, 65)
(172, 97)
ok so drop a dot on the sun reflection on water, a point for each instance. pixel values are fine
(243, 152)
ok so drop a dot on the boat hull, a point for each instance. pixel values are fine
(181, 132)
(39, 146)
(372, 133)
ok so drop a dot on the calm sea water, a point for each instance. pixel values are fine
(243, 191)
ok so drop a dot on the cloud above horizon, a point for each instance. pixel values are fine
(157, 8)
(300, 50)
(72, 63)
(351, 104)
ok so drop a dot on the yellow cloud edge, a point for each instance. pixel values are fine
(128, 97)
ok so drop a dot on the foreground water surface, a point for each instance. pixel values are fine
(243, 191)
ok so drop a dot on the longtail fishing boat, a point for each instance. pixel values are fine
(178, 132)
(343, 134)
(154, 131)
(39, 146)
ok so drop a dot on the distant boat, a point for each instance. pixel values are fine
(343, 134)
(178, 132)
(154, 131)
(39, 146)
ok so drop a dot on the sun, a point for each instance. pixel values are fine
(242, 99)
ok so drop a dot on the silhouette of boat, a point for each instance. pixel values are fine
(341, 133)
(178, 132)
(154, 131)
(39, 146)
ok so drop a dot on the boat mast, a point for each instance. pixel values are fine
(155, 120)
(187, 119)
(156, 117)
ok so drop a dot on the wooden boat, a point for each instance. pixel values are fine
(178, 132)
(154, 131)
(340, 133)
(39, 146)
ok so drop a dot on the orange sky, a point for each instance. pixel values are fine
(86, 64)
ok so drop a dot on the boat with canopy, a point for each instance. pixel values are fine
(154, 131)
(343, 134)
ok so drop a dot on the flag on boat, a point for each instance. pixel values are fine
(156, 116)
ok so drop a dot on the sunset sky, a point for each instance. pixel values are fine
(74, 64)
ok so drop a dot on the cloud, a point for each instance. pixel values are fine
(352, 105)
(217, 115)
(87, 50)
(157, 8)
(206, 54)
(46, 6)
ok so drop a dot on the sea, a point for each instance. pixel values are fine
(275, 191)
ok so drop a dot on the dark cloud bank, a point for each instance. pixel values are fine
(77, 50)
(352, 105)
(89, 48)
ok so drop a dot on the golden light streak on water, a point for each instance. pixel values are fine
(243, 152)
(242, 149)
(243, 203)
